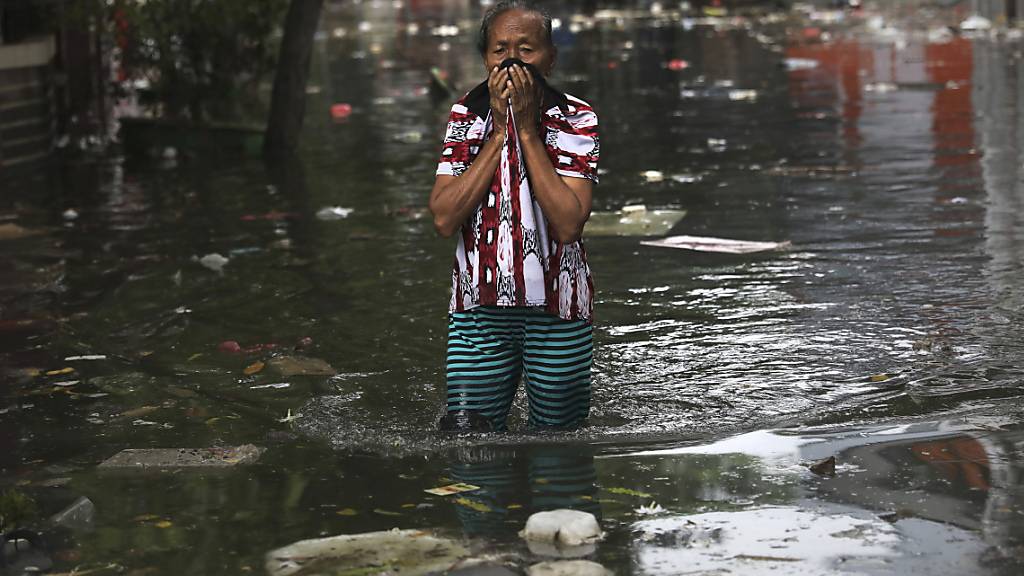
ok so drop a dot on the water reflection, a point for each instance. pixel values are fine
(927, 494)
(517, 482)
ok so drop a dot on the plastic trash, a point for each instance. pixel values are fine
(341, 111)
(650, 509)
(79, 515)
(799, 64)
(563, 526)
(721, 245)
(633, 220)
(653, 175)
(333, 213)
(742, 95)
(976, 23)
(213, 261)
(677, 64)
(451, 489)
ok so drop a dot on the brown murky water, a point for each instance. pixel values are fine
(888, 334)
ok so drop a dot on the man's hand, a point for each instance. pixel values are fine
(526, 99)
(499, 86)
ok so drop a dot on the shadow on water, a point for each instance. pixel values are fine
(887, 335)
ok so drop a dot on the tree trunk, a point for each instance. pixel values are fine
(288, 101)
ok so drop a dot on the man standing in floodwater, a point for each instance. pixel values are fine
(515, 179)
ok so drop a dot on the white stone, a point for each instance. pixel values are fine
(568, 568)
(564, 527)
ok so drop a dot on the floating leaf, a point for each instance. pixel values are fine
(346, 512)
(880, 377)
(514, 506)
(628, 492)
(67, 370)
(194, 356)
(163, 524)
(253, 368)
(473, 505)
(385, 512)
(408, 505)
(138, 412)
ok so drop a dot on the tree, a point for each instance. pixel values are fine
(288, 100)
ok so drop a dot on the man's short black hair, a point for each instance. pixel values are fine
(504, 6)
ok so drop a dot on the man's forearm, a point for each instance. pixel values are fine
(453, 203)
(561, 206)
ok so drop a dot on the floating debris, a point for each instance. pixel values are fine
(253, 368)
(213, 261)
(976, 23)
(720, 245)
(628, 492)
(289, 417)
(451, 489)
(275, 386)
(86, 357)
(406, 552)
(288, 366)
(793, 64)
(826, 467)
(653, 175)
(633, 220)
(184, 457)
(333, 213)
(652, 508)
(568, 568)
(564, 527)
(742, 95)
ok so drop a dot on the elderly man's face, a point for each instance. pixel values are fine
(519, 34)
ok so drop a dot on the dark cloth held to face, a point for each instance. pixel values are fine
(479, 99)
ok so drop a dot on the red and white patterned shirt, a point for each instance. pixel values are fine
(506, 254)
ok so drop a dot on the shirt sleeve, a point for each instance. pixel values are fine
(461, 142)
(576, 146)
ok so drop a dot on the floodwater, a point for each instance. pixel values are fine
(886, 335)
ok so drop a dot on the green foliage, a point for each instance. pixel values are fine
(15, 508)
(203, 59)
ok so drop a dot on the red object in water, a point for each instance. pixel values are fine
(259, 348)
(341, 111)
(812, 33)
(612, 65)
(677, 64)
(229, 346)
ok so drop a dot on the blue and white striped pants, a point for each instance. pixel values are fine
(490, 347)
